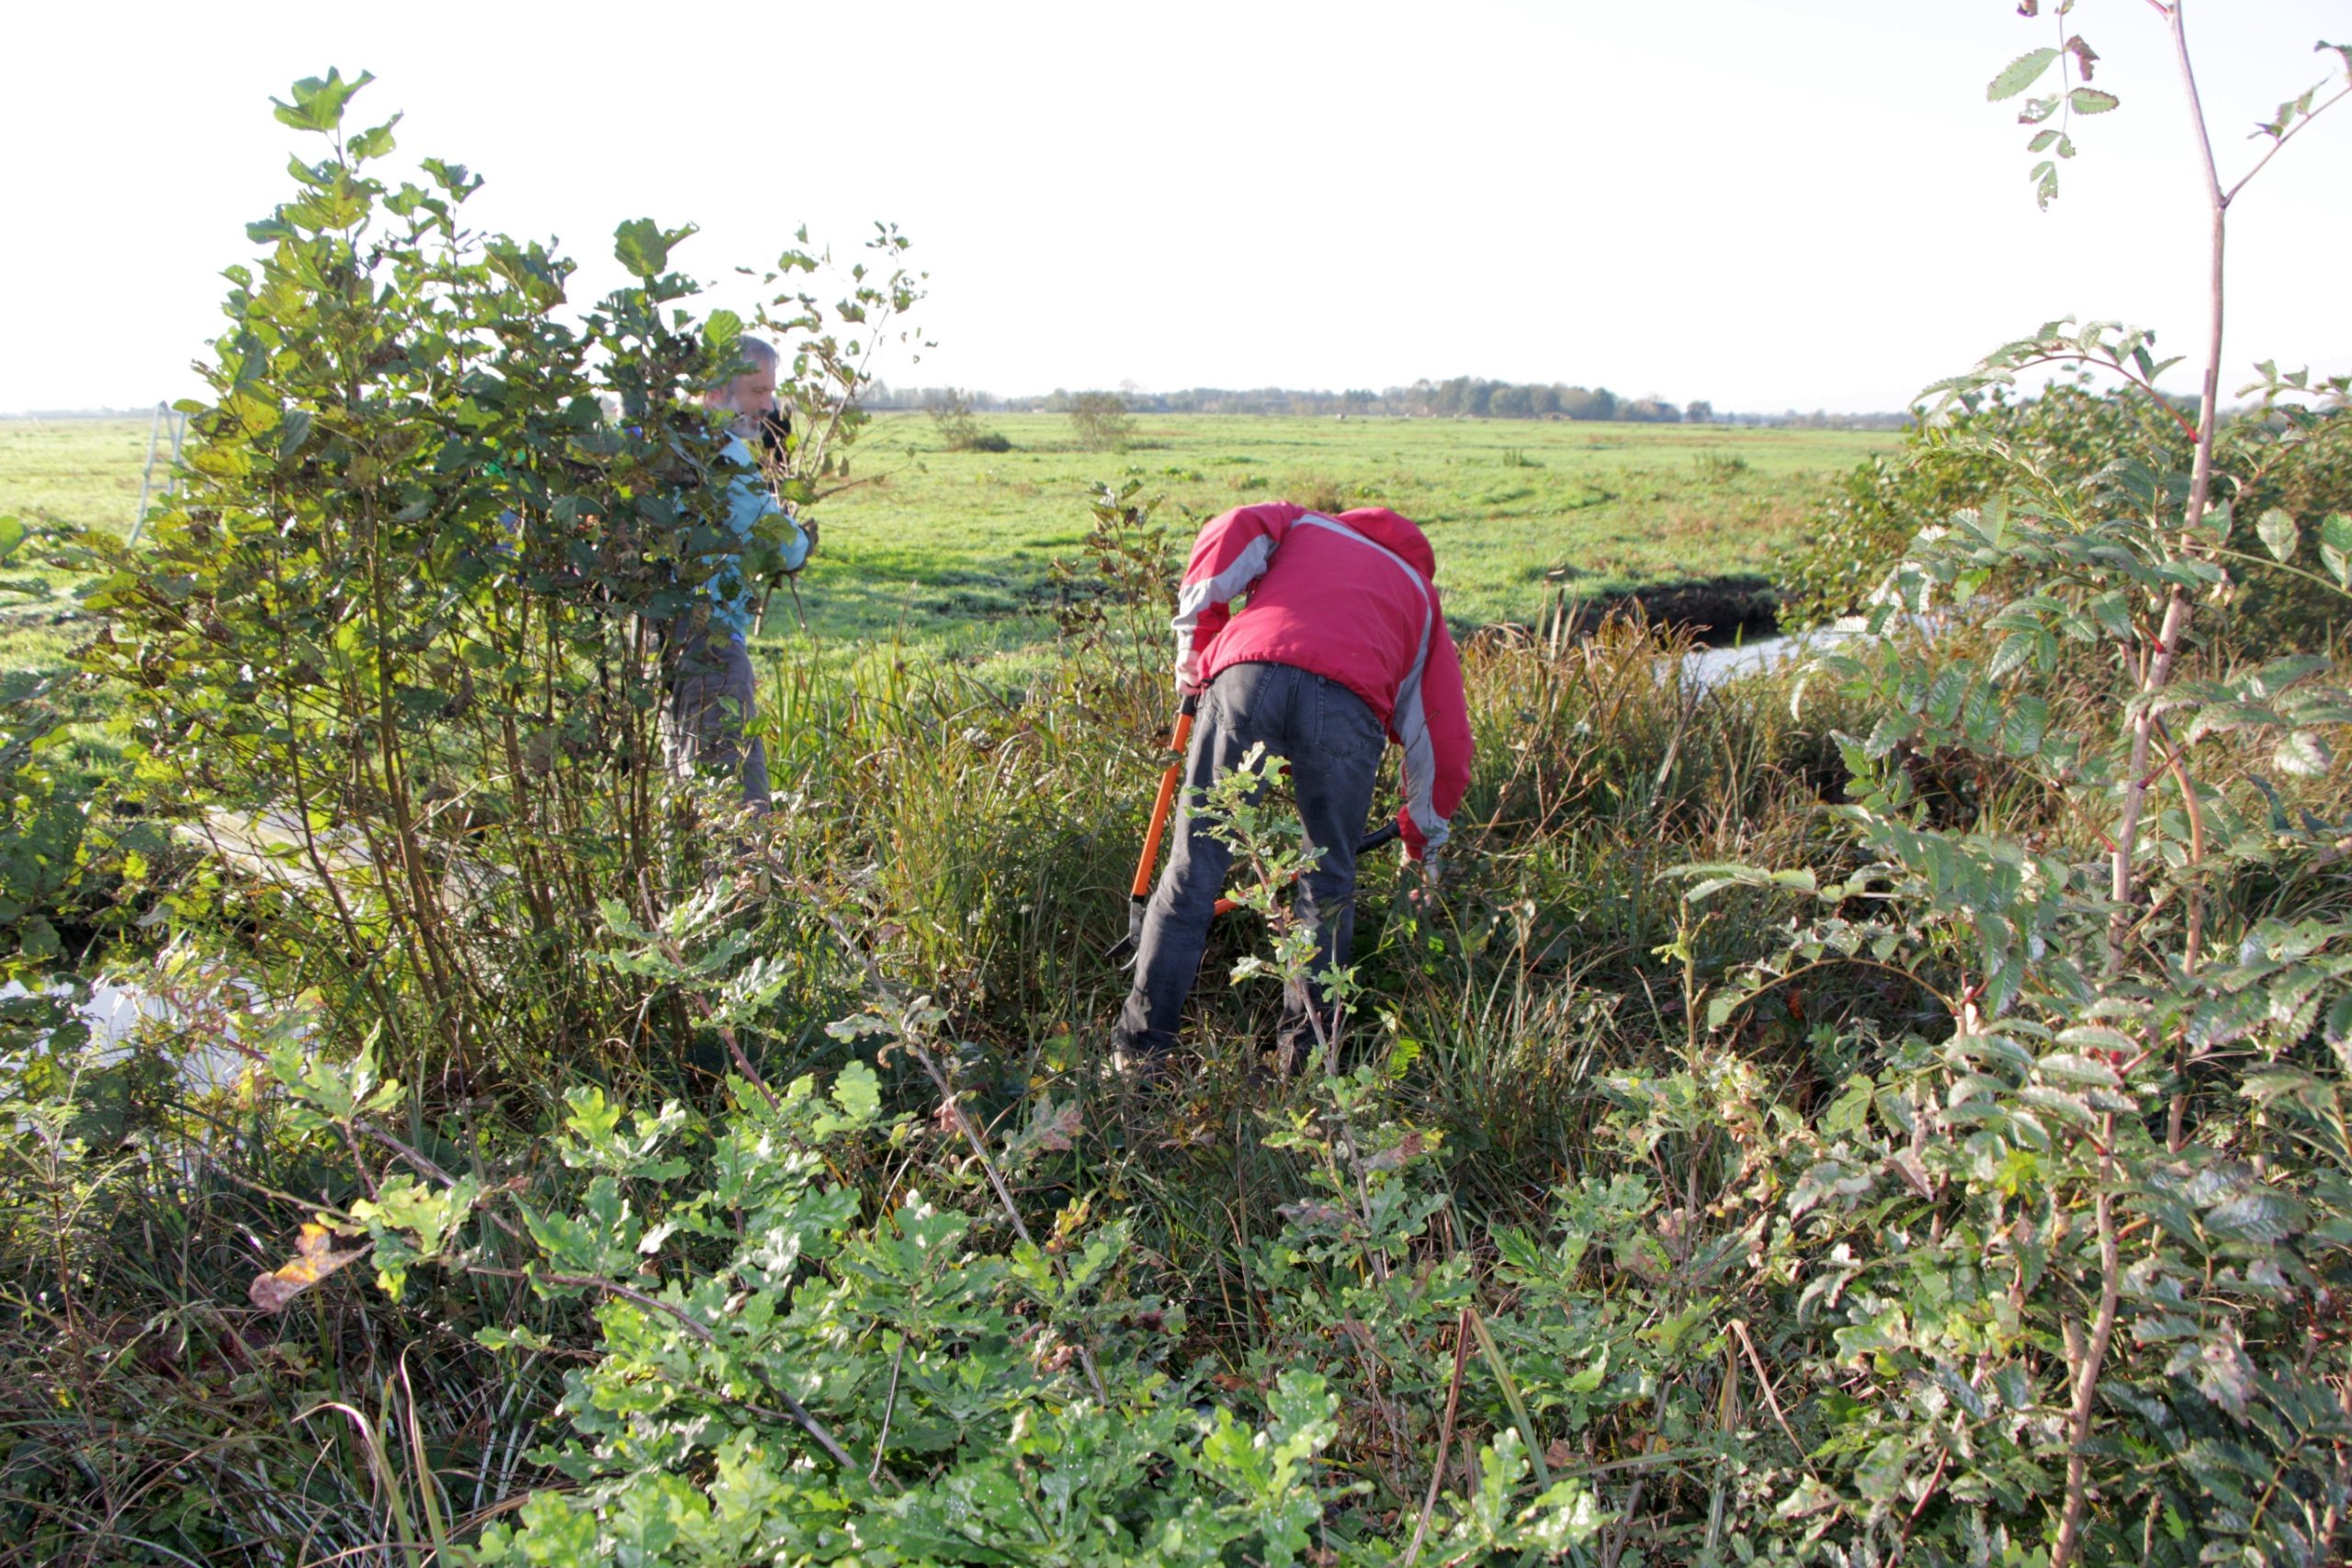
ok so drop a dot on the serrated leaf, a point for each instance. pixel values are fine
(2021, 72)
(2303, 754)
(2065, 1107)
(2260, 1215)
(318, 105)
(2092, 100)
(2223, 717)
(2220, 1019)
(2279, 533)
(1849, 1112)
(2095, 1036)
(2066, 1067)
(2336, 547)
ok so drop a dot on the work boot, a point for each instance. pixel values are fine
(1135, 1068)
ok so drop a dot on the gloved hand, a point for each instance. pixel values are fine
(1423, 891)
(808, 527)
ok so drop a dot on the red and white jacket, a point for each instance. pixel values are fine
(1349, 598)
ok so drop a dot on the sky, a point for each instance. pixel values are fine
(1765, 204)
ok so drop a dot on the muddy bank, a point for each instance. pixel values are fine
(1716, 611)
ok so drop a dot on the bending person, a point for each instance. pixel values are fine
(1342, 646)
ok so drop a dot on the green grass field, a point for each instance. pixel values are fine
(949, 551)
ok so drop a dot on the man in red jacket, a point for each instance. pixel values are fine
(1341, 648)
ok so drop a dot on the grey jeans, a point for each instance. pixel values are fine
(713, 693)
(1333, 743)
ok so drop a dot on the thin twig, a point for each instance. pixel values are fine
(2293, 131)
(1764, 1379)
(971, 1134)
(889, 1403)
(1445, 1436)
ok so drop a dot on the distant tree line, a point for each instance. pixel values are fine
(1463, 396)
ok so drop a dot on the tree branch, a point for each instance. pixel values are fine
(2295, 130)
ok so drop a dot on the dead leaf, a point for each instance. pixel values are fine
(314, 1258)
(1055, 1128)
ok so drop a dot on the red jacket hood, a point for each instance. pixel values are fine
(1395, 534)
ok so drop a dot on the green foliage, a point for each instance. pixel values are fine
(2068, 448)
(390, 651)
(43, 822)
(951, 416)
(1947, 1165)
(1100, 421)
(783, 1366)
(2056, 440)
(1115, 596)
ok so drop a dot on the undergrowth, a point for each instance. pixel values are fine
(1887, 1109)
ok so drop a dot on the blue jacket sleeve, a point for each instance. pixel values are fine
(750, 503)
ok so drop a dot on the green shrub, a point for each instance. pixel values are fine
(951, 415)
(1101, 423)
(2060, 438)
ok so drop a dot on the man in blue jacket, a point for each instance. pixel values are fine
(713, 692)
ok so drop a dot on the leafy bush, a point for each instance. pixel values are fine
(2064, 436)
(390, 652)
(1101, 423)
(951, 415)
(43, 824)
(2068, 438)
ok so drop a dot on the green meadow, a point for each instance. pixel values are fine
(950, 551)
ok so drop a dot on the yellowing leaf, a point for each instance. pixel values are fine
(315, 1257)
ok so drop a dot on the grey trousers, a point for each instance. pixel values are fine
(1333, 743)
(712, 693)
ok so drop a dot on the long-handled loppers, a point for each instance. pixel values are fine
(1139, 893)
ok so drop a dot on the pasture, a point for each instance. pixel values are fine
(948, 551)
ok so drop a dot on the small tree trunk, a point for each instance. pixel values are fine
(2178, 607)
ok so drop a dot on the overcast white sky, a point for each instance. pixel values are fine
(1764, 203)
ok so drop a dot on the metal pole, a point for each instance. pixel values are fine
(147, 478)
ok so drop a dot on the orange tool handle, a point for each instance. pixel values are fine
(1160, 808)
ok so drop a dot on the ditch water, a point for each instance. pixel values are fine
(118, 1006)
